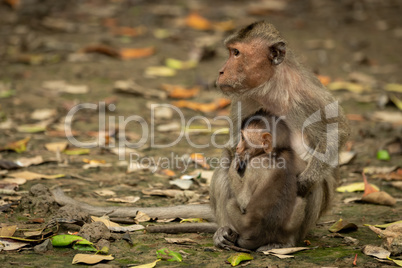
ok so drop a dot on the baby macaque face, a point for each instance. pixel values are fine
(253, 142)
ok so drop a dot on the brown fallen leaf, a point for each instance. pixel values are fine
(380, 198)
(17, 146)
(91, 259)
(368, 188)
(181, 241)
(168, 192)
(142, 217)
(325, 80)
(136, 53)
(199, 159)
(56, 146)
(179, 92)
(127, 31)
(375, 251)
(196, 21)
(34, 176)
(8, 230)
(26, 162)
(101, 49)
(203, 107)
(105, 192)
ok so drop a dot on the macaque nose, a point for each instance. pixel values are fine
(220, 72)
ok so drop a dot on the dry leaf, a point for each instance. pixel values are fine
(285, 251)
(162, 71)
(128, 31)
(375, 251)
(26, 162)
(182, 184)
(148, 265)
(106, 221)
(105, 192)
(142, 217)
(179, 92)
(125, 199)
(367, 187)
(102, 49)
(380, 198)
(354, 187)
(266, 7)
(195, 21)
(180, 65)
(91, 259)
(136, 53)
(353, 87)
(9, 244)
(34, 176)
(43, 114)
(199, 159)
(128, 228)
(346, 157)
(167, 192)
(342, 226)
(8, 230)
(56, 146)
(18, 181)
(379, 170)
(325, 80)
(17, 146)
(183, 241)
(386, 116)
(203, 107)
(167, 172)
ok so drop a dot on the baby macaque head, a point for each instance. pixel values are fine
(255, 140)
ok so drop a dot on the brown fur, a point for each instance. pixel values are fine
(265, 75)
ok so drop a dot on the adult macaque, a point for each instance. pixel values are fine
(261, 73)
(263, 207)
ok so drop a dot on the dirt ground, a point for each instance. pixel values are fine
(45, 41)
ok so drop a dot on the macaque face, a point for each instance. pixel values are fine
(248, 67)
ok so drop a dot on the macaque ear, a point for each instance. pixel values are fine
(267, 142)
(277, 53)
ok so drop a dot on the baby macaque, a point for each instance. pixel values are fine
(263, 182)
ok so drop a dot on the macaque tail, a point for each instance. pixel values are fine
(182, 211)
(206, 227)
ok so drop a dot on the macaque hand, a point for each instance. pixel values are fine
(225, 237)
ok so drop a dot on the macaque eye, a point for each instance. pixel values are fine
(236, 52)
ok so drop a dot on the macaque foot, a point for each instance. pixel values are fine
(225, 238)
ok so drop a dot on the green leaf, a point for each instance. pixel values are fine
(383, 155)
(168, 255)
(180, 65)
(237, 258)
(193, 220)
(65, 240)
(397, 262)
(7, 93)
(85, 247)
(31, 128)
(384, 225)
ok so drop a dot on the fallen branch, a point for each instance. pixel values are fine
(182, 211)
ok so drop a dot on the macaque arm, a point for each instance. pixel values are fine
(325, 157)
